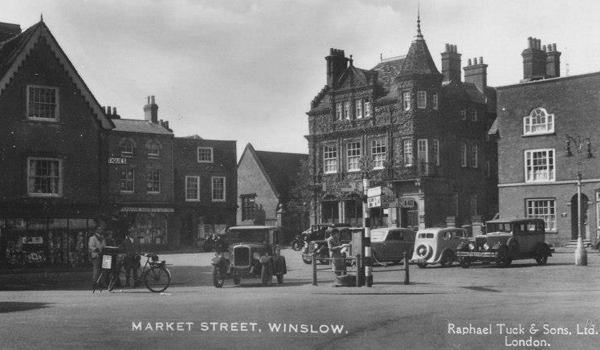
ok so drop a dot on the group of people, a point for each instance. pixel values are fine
(97, 243)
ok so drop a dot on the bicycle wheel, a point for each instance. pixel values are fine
(157, 279)
(116, 279)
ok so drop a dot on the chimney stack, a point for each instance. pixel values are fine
(336, 65)
(552, 62)
(451, 63)
(151, 111)
(476, 73)
(8, 30)
(534, 60)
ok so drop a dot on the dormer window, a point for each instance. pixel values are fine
(42, 103)
(538, 122)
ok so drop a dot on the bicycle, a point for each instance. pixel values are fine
(154, 274)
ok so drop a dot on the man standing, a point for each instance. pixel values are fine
(130, 249)
(338, 264)
(95, 245)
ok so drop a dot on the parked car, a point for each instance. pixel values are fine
(437, 246)
(252, 252)
(507, 240)
(316, 244)
(390, 244)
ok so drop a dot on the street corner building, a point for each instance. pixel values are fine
(418, 134)
(548, 147)
(53, 150)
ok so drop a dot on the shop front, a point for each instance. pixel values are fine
(150, 224)
(44, 242)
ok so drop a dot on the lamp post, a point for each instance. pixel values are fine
(366, 170)
(580, 252)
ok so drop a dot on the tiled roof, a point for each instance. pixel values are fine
(388, 71)
(11, 48)
(418, 60)
(140, 126)
(282, 169)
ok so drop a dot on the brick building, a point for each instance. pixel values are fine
(264, 183)
(538, 162)
(53, 150)
(419, 134)
(205, 187)
(141, 179)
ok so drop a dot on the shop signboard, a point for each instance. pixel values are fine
(374, 202)
(114, 160)
(407, 202)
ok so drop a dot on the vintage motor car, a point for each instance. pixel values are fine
(437, 245)
(506, 240)
(316, 244)
(252, 252)
(390, 244)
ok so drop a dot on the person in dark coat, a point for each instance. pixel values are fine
(130, 248)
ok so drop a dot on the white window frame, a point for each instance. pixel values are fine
(421, 99)
(214, 189)
(541, 172)
(201, 155)
(127, 180)
(192, 194)
(358, 109)
(475, 156)
(406, 100)
(542, 208)
(338, 111)
(463, 154)
(368, 109)
(435, 101)
(379, 152)
(538, 122)
(347, 110)
(407, 151)
(330, 159)
(150, 150)
(150, 181)
(353, 155)
(423, 151)
(46, 107)
(435, 144)
(55, 179)
(127, 149)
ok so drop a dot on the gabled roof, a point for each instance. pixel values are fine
(353, 77)
(14, 51)
(279, 168)
(140, 126)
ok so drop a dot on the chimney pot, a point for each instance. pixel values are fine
(469, 62)
(480, 60)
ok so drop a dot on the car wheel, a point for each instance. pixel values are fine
(464, 262)
(297, 245)
(447, 259)
(307, 259)
(237, 281)
(503, 258)
(218, 279)
(542, 256)
(422, 265)
(424, 251)
(280, 278)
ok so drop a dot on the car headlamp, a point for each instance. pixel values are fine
(316, 246)
(471, 246)
(256, 255)
(227, 256)
(486, 247)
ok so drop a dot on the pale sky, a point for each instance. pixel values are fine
(247, 70)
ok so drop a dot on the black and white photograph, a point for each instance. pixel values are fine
(299, 174)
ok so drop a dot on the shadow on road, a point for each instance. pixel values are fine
(14, 306)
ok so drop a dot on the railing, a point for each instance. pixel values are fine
(359, 264)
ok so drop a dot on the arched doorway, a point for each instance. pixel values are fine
(584, 216)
